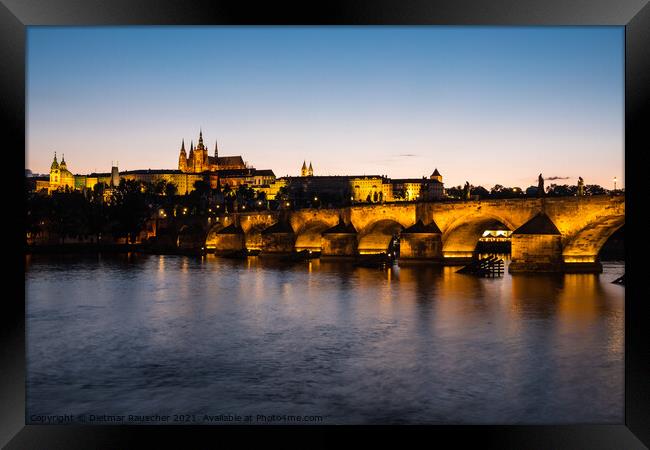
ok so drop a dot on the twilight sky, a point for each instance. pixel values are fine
(484, 104)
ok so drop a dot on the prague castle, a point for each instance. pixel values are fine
(219, 171)
(192, 167)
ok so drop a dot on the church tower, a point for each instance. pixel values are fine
(182, 158)
(303, 170)
(310, 171)
(54, 174)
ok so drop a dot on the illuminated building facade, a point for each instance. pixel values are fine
(232, 171)
(361, 188)
(197, 166)
(198, 160)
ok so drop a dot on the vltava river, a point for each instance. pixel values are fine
(190, 338)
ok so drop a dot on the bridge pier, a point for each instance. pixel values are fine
(227, 240)
(421, 243)
(536, 246)
(340, 240)
(278, 239)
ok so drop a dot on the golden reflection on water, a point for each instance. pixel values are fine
(161, 265)
(576, 299)
(579, 300)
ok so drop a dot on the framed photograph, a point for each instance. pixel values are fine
(403, 218)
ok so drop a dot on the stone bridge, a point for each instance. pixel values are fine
(549, 234)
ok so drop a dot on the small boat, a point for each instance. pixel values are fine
(377, 261)
(303, 255)
(236, 254)
(620, 280)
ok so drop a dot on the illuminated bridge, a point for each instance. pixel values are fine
(549, 234)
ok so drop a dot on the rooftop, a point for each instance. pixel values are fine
(540, 224)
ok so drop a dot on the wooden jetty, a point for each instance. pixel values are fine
(490, 266)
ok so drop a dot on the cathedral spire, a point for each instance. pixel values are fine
(216, 149)
(200, 144)
(182, 158)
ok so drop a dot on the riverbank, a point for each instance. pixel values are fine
(106, 248)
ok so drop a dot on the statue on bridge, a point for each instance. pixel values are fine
(466, 191)
(540, 186)
(581, 186)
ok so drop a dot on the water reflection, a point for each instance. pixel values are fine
(413, 344)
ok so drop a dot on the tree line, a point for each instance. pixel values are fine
(122, 211)
(552, 190)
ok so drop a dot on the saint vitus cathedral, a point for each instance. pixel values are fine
(198, 160)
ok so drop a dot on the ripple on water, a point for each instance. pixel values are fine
(177, 335)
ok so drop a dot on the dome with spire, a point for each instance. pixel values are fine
(55, 164)
(63, 165)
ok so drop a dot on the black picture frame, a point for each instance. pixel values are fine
(16, 15)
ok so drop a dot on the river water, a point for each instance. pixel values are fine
(212, 340)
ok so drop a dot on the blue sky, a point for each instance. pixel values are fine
(484, 104)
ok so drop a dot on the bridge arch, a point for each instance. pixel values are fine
(308, 237)
(211, 235)
(376, 236)
(253, 235)
(585, 244)
(191, 236)
(460, 237)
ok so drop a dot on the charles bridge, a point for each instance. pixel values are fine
(549, 234)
